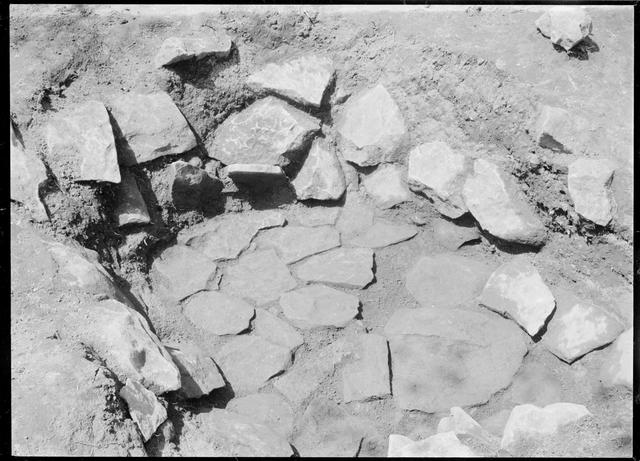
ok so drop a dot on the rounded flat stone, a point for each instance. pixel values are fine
(316, 306)
(346, 267)
(218, 313)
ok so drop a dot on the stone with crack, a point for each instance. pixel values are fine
(218, 313)
(565, 26)
(312, 216)
(368, 376)
(345, 267)
(176, 49)
(589, 182)
(198, 373)
(273, 329)
(319, 306)
(383, 233)
(386, 186)
(144, 408)
(131, 208)
(294, 243)
(442, 445)
(269, 409)
(321, 176)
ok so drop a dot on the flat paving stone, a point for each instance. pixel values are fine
(386, 186)
(318, 306)
(356, 216)
(293, 243)
(183, 271)
(276, 330)
(345, 267)
(272, 410)
(384, 233)
(218, 313)
(453, 236)
(368, 376)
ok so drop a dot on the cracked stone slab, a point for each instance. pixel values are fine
(368, 376)
(440, 445)
(384, 233)
(269, 409)
(565, 26)
(131, 208)
(321, 176)
(317, 306)
(386, 186)
(176, 49)
(345, 267)
(218, 313)
(293, 243)
(589, 182)
(28, 173)
(198, 372)
(273, 329)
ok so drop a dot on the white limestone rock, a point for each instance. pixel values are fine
(272, 410)
(386, 186)
(198, 373)
(294, 243)
(144, 408)
(384, 233)
(318, 306)
(345, 267)
(368, 376)
(131, 208)
(565, 25)
(589, 183)
(321, 176)
(28, 173)
(442, 445)
(218, 313)
(617, 370)
(176, 49)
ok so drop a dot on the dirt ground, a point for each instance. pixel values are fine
(470, 76)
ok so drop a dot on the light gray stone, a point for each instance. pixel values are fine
(460, 423)
(565, 25)
(144, 408)
(198, 372)
(176, 49)
(317, 306)
(491, 197)
(386, 186)
(555, 130)
(131, 208)
(269, 131)
(272, 410)
(186, 187)
(617, 370)
(253, 173)
(275, 330)
(312, 216)
(218, 313)
(443, 445)
(589, 181)
(28, 173)
(81, 142)
(294, 243)
(321, 176)
(345, 267)
(453, 236)
(151, 127)
(356, 216)
(384, 233)
(302, 79)
(368, 377)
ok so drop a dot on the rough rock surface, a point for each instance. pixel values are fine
(516, 290)
(144, 408)
(384, 233)
(453, 236)
(28, 173)
(272, 410)
(187, 187)
(183, 271)
(386, 186)
(618, 369)
(269, 131)
(317, 306)
(275, 330)
(446, 280)
(491, 197)
(555, 130)
(443, 445)
(149, 126)
(83, 137)
(565, 26)
(293, 243)
(176, 49)
(345, 267)
(131, 208)
(198, 373)
(368, 376)
(371, 126)
(259, 276)
(227, 434)
(450, 357)
(589, 181)
(321, 176)
(439, 173)
(303, 79)
(218, 313)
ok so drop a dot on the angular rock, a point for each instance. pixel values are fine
(618, 368)
(450, 357)
(271, 328)
(82, 142)
(248, 362)
(356, 217)
(321, 176)
(516, 290)
(537, 384)
(226, 236)
(565, 26)
(439, 173)
(260, 276)
(386, 186)
(446, 280)
(555, 130)
(198, 372)
(303, 79)
(368, 377)
(589, 181)
(491, 197)
(144, 408)
(28, 173)
(528, 421)
(371, 126)
(218, 313)
(453, 236)
(254, 173)
(459, 422)
(443, 445)
(312, 216)
(317, 306)
(269, 131)
(384, 233)
(131, 208)
(294, 243)
(272, 410)
(345, 267)
(150, 126)
(187, 187)
(579, 327)
(227, 434)
(176, 49)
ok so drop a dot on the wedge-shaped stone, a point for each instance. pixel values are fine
(368, 376)
(491, 197)
(144, 408)
(81, 144)
(321, 176)
(269, 131)
(345, 267)
(275, 330)
(198, 372)
(272, 410)
(218, 313)
(618, 368)
(443, 445)
(294, 243)
(386, 186)
(317, 306)
(176, 49)
(371, 126)
(303, 79)
(451, 357)
(131, 208)
(516, 290)
(28, 173)
(439, 173)
(589, 181)
(565, 26)
(384, 233)
(151, 126)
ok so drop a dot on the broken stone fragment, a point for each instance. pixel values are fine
(460, 423)
(617, 370)
(150, 126)
(269, 132)
(275, 330)
(321, 176)
(368, 376)
(386, 186)
(81, 144)
(491, 197)
(176, 49)
(589, 184)
(294, 243)
(253, 173)
(532, 422)
(131, 208)
(317, 306)
(144, 408)
(346, 267)
(439, 173)
(578, 327)
(516, 290)
(28, 173)
(198, 373)
(272, 410)
(371, 126)
(555, 130)
(384, 233)
(565, 26)
(218, 313)
(443, 445)
(453, 236)
(187, 187)
(303, 79)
